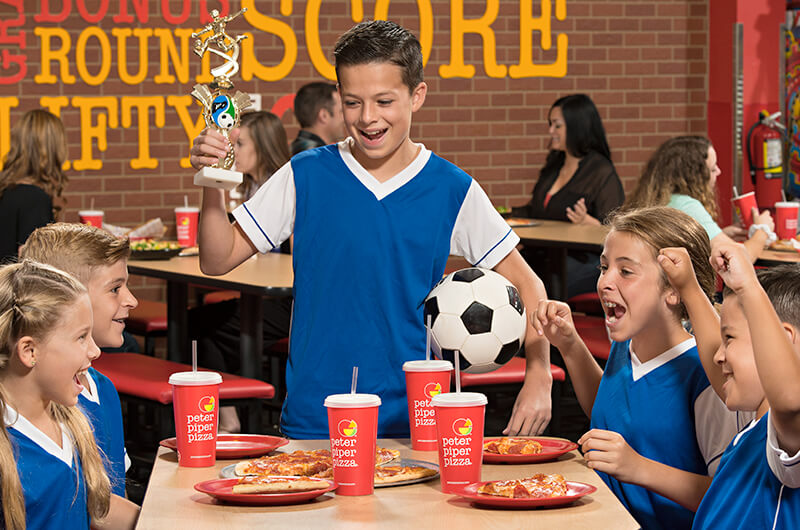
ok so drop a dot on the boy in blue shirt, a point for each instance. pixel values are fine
(374, 219)
(754, 366)
(100, 261)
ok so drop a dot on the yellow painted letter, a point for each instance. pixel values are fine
(458, 27)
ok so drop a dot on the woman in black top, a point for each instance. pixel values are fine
(32, 179)
(578, 183)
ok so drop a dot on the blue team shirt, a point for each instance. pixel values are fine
(745, 492)
(105, 416)
(655, 415)
(55, 493)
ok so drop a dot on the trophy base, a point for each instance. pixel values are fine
(214, 177)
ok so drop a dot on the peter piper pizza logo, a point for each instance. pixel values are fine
(184, 221)
(206, 404)
(432, 389)
(348, 428)
(462, 426)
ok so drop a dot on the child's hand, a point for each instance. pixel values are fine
(553, 319)
(677, 266)
(211, 147)
(608, 452)
(763, 218)
(732, 262)
(736, 232)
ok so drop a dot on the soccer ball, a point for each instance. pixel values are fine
(479, 313)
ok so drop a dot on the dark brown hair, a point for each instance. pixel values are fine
(271, 147)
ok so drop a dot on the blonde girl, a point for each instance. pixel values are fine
(52, 471)
(654, 416)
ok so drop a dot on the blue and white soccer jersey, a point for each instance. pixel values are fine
(756, 485)
(667, 411)
(51, 476)
(100, 404)
(366, 253)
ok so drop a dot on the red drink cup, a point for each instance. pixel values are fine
(744, 204)
(91, 217)
(353, 428)
(425, 379)
(194, 400)
(459, 424)
(786, 219)
(186, 218)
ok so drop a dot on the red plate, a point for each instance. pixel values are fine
(222, 489)
(239, 445)
(552, 448)
(575, 492)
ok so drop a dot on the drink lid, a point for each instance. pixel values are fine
(352, 401)
(195, 378)
(787, 204)
(459, 399)
(187, 209)
(90, 212)
(427, 366)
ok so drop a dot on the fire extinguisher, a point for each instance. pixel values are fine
(765, 141)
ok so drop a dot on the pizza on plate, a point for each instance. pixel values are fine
(538, 486)
(268, 484)
(392, 474)
(785, 244)
(317, 463)
(513, 446)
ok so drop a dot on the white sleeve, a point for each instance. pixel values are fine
(715, 426)
(480, 234)
(268, 217)
(786, 468)
(127, 460)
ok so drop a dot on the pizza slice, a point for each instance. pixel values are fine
(384, 456)
(392, 474)
(316, 463)
(513, 446)
(277, 485)
(538, 486)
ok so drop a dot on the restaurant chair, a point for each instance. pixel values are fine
(592, 330)
(508, 379)
(148, 320)
(143, 386)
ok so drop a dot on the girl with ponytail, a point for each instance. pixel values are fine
(51, 472)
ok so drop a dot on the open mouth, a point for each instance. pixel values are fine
(613, 312)
(120, 321)
(77, 378)
(373, 136)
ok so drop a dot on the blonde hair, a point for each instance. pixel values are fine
(37, 152)
(677, 166)
(32, 299)
(74, 248)
(661, 227)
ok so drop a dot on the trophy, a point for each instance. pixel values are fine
(221, 107)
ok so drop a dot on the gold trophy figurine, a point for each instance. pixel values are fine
(221, 110)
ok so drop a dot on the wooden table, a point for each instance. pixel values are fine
(559, 237)
(263, 275)
(171, 501)
(776, 257)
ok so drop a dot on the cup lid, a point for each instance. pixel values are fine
(352, 401)
(195, 378)
(459, 399)
(187, 209)
(787, 204)
(433, 365)
(90, 212)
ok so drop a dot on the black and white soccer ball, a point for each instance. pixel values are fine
(479, 313)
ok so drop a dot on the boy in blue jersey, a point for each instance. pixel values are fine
(374, 219)
(751, 353)
(100, 261)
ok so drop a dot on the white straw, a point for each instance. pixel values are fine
(735, 192)
(458, 371)
(186, 201)
(194, 356)
(428, 340)
(355, 378)
(91, 204)
(783, 195)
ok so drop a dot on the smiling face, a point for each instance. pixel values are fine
(631, 288)
(742, 388)
(246, 158)
(65, 354)
(557, 129)
(377, 108)
(111, 303)
(713, 169)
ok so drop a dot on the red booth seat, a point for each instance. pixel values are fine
(588, 303)
(510, 373)
(148, 378)
(594, 334)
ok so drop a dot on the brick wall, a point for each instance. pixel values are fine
(643, 63)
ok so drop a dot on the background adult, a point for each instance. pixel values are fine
(261, 149)
(578, 183)
(318, 109)
(32, 179)
(682, 173)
